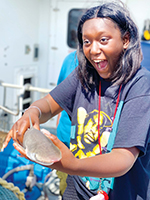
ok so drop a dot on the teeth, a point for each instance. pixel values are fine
(98, 61)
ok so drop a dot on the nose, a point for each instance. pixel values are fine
(95, 48)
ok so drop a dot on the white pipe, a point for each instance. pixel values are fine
(9, 111)
(27, 87)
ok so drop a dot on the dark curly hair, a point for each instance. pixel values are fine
(130, 59)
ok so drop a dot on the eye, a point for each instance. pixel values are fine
(86, 42)
(104, 40)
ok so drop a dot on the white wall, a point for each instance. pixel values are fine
(19, 25)
(43, 40)
(140, 10)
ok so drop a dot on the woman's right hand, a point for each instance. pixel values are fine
(19, 128)
(45, 108)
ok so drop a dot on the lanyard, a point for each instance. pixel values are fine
(99, 109)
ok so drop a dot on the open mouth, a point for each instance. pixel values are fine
(101, 64)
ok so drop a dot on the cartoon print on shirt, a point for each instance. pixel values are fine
(87, 133)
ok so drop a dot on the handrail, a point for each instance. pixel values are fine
(26, 87)
(10, 111)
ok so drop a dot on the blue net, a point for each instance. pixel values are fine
(6, 194)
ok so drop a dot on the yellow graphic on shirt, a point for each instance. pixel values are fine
(88, 132)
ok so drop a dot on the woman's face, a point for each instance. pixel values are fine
(103, 45)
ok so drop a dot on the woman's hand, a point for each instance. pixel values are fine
(96, 166)
(19, 128)
(68, 162)
(45, 108)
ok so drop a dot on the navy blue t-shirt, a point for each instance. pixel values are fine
(133, 130)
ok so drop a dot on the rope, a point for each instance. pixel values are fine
(14, 189)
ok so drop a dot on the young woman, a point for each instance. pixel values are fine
(108, 100)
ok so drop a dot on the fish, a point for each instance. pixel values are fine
(40, 148)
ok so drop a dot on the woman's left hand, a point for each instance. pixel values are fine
(67, 163)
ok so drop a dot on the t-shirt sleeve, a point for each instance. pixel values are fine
(134, 124)
(133, 129)
(64, 93)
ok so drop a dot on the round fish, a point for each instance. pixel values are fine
(39, 148)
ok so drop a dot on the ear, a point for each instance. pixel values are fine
(126, 40)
